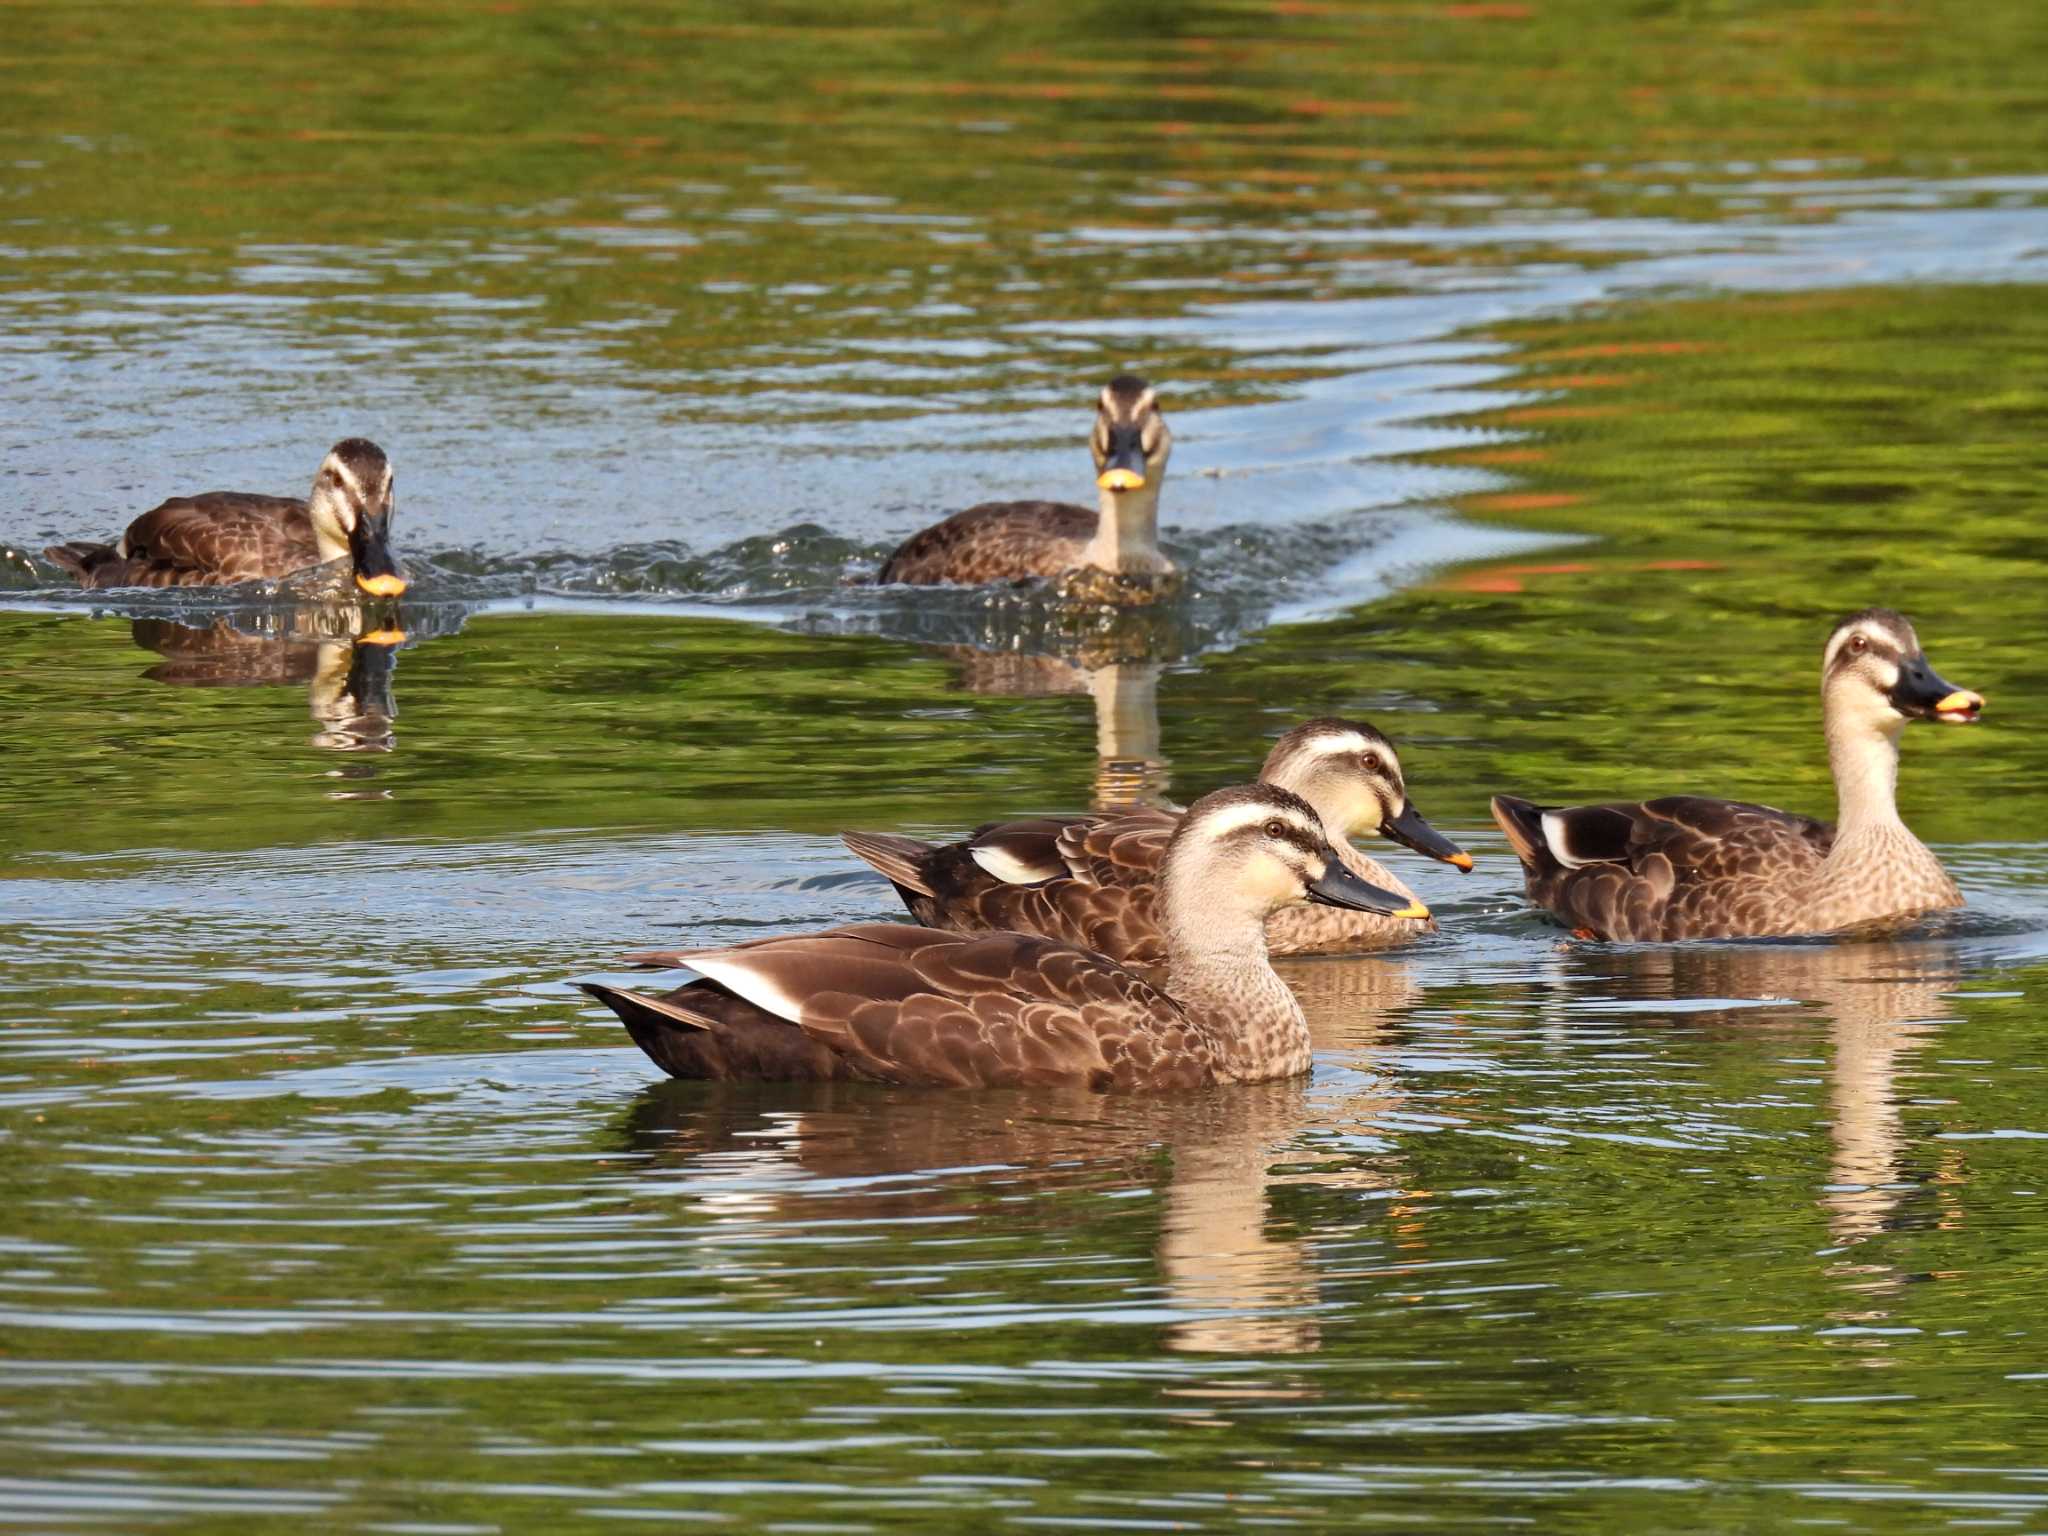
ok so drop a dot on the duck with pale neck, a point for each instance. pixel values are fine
(895, 1003)
(1108, 555)
(1687, 867)
(219, 538)
(1095, 880)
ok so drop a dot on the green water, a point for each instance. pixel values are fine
(1545, 379)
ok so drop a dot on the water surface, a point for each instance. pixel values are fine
(1543, 385)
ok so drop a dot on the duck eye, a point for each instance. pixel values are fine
(1276, 828)
(1373, 763)
(1858, 644)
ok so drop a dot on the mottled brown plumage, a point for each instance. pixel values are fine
(996, 541)
(1094, 880)
(222, 537)
(895, 1003)
(1109, 555)
(1689, 867)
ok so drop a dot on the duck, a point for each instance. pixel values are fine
(1691, 867)
(898, 1003)
(1109, 555)
(221, 537)
(1095, 880)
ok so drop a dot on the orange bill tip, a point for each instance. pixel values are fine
(384, 637)
(1960, 705)
(1120, 480)
(381, 586)
(1414, 909)
(1460, 860)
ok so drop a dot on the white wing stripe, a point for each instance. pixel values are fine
(734, 972)
(1010, 869)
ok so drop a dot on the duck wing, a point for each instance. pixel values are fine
(1125, 849)
(1090, 881)
(220, 537)
(996, 541)
(1024, 852)
(1680, 867)
(916, 1005)
(1114, 849)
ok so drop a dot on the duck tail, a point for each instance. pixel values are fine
(81, 559)
(1522, 820)
(901, 859)
(630, 1005)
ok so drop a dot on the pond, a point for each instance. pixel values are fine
(1544, 381)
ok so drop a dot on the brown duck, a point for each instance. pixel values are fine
(900, 1004)
(1094, 880)
(1110, 554)
(221, 537)
(1687, 867)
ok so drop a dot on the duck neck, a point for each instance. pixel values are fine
(1217, 969)
(328, 534)
(1127, 532)
(1866, 768)
(1877, 869)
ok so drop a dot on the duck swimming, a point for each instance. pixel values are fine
(890, 1002)
(1094, 880)
(1110, 554)
(221, 537)
(1688, 867)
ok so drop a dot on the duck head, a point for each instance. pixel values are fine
(1875, 677)
(1246, 852)
(1351, 774)
(1130, 442)
(351, 512)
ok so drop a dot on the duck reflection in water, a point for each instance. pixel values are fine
(797, 1154)
(1115, 656)
(347, 675)
(1884, 1004)
(1130, 767)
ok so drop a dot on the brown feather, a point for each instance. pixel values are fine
(1102, 892)
(703, 1031)
(194, 541)
(917, 1005)
(900, 859)
(996, 541)
(1683, 867)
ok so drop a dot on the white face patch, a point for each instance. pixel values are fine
(731, 970)
(1112, 407)
(1236, 818)
(1876, 635)
(1338, 743)
(1327, 770)
(344, 474)
(1276, 881)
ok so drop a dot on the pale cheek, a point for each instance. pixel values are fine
(1362, 812)
(1868, 708)
(1272, 881)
